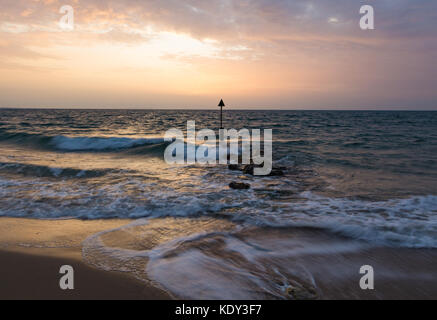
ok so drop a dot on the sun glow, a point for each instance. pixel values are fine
(144, 53)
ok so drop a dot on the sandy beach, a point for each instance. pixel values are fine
(32, 254)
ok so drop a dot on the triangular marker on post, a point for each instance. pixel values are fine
(221, 105)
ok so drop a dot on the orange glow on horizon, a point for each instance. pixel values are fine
(132, 56)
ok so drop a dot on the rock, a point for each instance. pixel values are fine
(234, 167)
(239, 186)
(276, 173)
(249, 169)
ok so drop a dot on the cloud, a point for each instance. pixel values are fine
(294, 45)
(250, 23)
(230, 18)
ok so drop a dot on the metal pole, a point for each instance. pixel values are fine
(221, 105)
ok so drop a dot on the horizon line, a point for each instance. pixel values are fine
(227, 108)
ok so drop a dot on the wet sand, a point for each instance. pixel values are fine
(406, 274)
(399, 273)
(32, 252)
(292, 263)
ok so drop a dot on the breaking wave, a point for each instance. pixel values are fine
(72, 144)
(99, 144)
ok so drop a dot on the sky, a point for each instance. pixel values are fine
(269, 54)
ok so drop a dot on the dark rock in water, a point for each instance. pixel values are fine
(276, 173)
(248, 169)
(239, 186)
(234, 167)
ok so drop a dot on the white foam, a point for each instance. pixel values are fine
(221, 264)
(409, 222)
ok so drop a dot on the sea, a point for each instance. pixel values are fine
(352, 179)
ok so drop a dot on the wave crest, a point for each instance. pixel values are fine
(98, 143)
(72, 144)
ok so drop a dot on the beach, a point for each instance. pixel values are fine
(31, 262)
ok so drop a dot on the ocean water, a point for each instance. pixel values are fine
(368, 177)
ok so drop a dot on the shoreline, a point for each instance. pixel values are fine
(30, 268)
(32, 252)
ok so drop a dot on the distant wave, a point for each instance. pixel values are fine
(30, 170)
(24, 138)
(64, 143)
